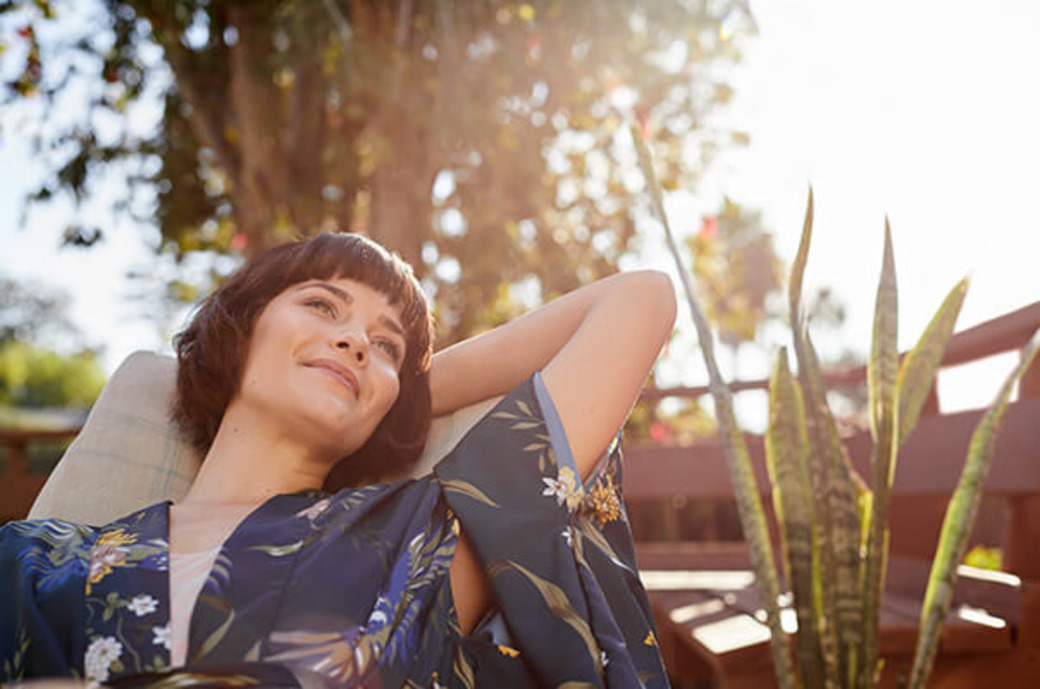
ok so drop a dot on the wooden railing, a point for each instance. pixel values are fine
(19, 486)
(929, 464)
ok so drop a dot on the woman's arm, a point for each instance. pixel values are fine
(595, 347)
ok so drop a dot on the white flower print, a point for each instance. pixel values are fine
(603, 659)
(564, 488)
(554, 489)
(99, 657)
(567, 536)
(162, 636)
(143, 604)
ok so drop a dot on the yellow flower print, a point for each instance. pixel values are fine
(506, 651)
(603, 501)
(650, 639)
(116, 538)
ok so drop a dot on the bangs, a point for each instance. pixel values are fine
(352, 256)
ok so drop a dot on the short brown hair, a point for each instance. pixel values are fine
(212, 350)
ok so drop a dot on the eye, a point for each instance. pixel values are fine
(391, 348)
(323, 306)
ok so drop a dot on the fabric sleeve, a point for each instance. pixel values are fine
(558, 552)
(42, 572)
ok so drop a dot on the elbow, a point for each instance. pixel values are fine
(669, 303)
(657, 297)
(661, 296)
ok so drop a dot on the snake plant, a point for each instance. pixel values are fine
(834, 528)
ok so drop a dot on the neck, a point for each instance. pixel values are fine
(250, 462)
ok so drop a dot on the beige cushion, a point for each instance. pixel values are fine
(130, 455)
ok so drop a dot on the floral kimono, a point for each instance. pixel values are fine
(352, 589)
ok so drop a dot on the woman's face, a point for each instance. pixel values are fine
(323, 364)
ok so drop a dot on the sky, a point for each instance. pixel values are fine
(921, 111)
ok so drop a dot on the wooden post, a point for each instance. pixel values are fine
(17, 459)
(1023, 555)
(931, 403)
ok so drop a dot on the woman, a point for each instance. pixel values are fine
(509, 565)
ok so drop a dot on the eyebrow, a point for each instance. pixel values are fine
(348, 298)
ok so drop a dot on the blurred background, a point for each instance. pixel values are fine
(147, 147)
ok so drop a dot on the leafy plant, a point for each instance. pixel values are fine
(834, 528)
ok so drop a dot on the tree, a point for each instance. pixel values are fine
(35, 313)
(37, 377)
(737, 270)
(480, 140)
(34, 322)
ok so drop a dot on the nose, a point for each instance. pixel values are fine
(354, 346)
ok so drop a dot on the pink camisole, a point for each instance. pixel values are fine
(188, 573)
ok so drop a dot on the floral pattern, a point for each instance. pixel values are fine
(353, 587)
(101, 655)
(142, 605)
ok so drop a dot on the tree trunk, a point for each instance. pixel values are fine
(401, 186)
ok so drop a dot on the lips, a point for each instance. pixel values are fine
(338, 371)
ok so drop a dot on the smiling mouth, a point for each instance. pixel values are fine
(339, 373)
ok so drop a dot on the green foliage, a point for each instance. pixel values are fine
(35, 377)
(478, 140)
(985, 558)
(683, 423)
(736, 268)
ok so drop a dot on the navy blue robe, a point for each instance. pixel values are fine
(352, 588)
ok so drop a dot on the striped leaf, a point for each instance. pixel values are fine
(788, 463)
(882, 376)
(842, 499)
(883, 364)
(957, 524)
(794, 288)
(917, 374)
(821, 472)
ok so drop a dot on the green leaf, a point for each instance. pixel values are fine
(788, 463)
(469, 490)
(917, 374)
(798, 268)
(218, 634)
(823, 478)
(883, 364)
(882, 375)
(959, 519)
(556, 600)
(841, 574)
(279, 550)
